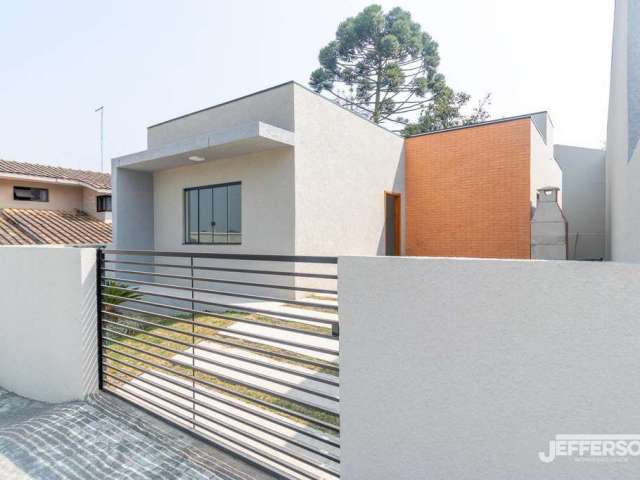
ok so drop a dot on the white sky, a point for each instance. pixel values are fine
(150, 60)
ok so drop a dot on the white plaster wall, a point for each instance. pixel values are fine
(267, 220)
(465, 369)
(267, 202)
(623, 165)
(583, 186)
(633, 82)
(273, 106)
(343, 166)
(89, 205)
(48, 336)
(132, 208)
(61, 197)
(545, 171)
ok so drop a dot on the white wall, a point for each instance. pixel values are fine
(267, 202)
(583, 187)
(344, 164)
(633, 81)
(273, 106)
(623, 159)
(132, 208)
(48, 336)
(465, 369)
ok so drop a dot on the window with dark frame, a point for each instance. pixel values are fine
(30, 194)
(103, 203)
(212, 214)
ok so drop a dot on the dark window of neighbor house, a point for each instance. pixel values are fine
(103, 203)
(30, 194)
(212, 214)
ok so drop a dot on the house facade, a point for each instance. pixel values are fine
(41, 204)
(286, 171)
(281, 171)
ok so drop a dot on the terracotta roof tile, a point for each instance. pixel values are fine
(101, 181)
(10, 234)
(20, 226)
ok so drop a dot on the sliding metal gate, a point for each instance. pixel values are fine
(238, 349)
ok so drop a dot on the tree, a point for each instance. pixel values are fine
(445, 111)
(384, 67)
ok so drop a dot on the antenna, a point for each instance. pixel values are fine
(101, 110)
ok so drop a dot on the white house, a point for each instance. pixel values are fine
(280, 171)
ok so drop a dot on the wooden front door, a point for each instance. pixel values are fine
(392, 223)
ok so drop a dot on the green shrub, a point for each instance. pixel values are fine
(123, 292)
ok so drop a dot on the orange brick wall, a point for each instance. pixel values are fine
(467, 192)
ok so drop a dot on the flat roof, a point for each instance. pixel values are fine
(245, 139)
(481, 124)
(293, 82)
(264, 90)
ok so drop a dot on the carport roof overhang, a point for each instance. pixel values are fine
(246, 139)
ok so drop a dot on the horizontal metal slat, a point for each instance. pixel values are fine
(228, 256)
(223, 329)
(240, 308)
(235, 270)
(226, 378)
(238, 418)
(214, 314)
(315, 434)
(249, 398)
(242, 358)
(302, 303)
(274, 458)
(211, 339)
(244, 371)
(228, 282)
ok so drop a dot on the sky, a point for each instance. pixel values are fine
(147, 61)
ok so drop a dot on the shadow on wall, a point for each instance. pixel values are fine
(398, 187)
(88, 326)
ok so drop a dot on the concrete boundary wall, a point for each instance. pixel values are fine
(465, 369)
(48, 336)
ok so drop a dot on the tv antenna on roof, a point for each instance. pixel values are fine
(101, 110)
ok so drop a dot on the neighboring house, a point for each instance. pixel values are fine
(583, 187)
(471, 190)
(41, 204)
(286, 171)
(623, 136)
